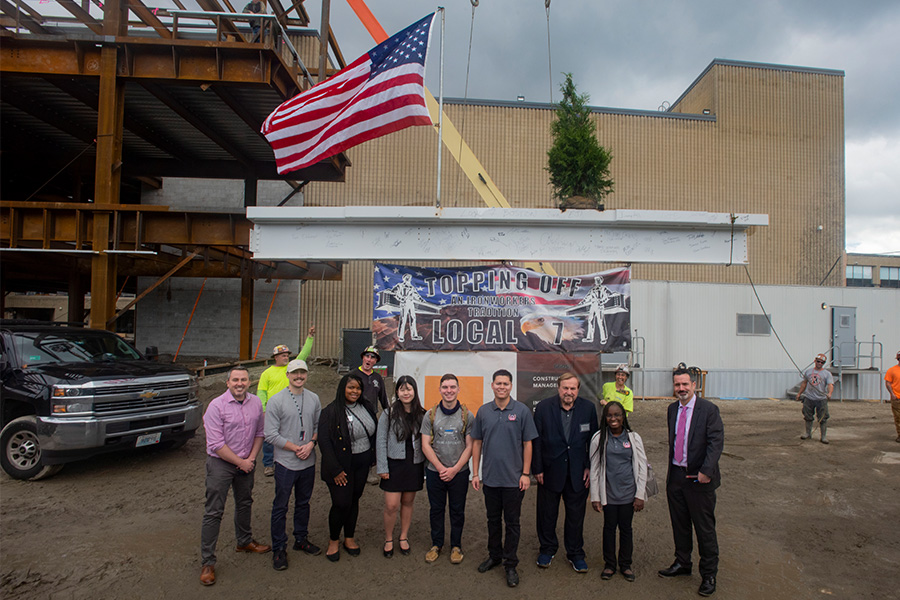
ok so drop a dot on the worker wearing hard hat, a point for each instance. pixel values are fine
(618, 391)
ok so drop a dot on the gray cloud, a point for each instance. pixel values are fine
(636, 54)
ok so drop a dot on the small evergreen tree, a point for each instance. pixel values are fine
(577, 163)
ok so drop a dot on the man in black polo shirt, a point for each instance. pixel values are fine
(373, 389)
(503, 434)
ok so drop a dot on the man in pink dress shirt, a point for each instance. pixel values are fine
(234, 437)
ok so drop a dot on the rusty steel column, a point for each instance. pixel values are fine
(103, 275)
(108, 169)
(246, 343)
(76, 297)
(323, 40)
(250, 192)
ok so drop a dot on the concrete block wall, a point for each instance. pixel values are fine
(215, 328)
(220, 195)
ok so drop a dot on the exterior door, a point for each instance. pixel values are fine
(843, 336)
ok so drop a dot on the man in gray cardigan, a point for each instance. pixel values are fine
(292, 425)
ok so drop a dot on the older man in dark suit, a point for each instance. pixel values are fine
(696, 438)
(560, 463)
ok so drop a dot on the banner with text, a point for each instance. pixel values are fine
(500, 308)
(537, 374)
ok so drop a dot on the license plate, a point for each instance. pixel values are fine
(148, 439)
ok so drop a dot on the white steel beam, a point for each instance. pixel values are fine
(494, 234)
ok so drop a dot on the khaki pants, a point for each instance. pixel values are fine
(895, 408)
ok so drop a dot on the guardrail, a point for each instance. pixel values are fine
(267, 23)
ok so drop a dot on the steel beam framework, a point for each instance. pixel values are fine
(174, 128)
(144, 240)
(494, 234)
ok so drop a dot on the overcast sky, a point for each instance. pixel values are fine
(639, 53)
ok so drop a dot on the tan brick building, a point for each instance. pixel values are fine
(743, 138)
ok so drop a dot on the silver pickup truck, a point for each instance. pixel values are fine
(69, 393)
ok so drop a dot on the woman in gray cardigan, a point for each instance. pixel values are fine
(399, 460)
(618, 484)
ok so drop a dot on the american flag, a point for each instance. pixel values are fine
(379, 93)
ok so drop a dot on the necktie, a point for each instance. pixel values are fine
(679, 434)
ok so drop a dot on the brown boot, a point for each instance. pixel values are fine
(208, 575)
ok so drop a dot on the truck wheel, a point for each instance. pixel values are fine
(21, 451)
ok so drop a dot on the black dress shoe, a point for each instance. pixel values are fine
(708, 587)
(512, 578)
(333, 557)
(352, 551)
(489, 564)
(675, 570)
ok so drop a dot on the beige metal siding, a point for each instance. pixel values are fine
(307, 47)
(697, 323)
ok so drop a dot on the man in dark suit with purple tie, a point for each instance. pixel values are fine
(696, 438)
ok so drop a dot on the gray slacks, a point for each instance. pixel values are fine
(220, 476)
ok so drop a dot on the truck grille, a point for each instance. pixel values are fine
(137, 388)
(139, 403)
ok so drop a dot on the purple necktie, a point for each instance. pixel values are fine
(679, 435)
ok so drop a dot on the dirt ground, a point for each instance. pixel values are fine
(795, 520)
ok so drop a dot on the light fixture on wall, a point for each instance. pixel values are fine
(824, 306)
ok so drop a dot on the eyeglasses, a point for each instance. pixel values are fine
(820, 361)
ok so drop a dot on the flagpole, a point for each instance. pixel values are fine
(440, 113)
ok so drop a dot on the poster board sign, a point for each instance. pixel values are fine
(473, 369)
(500, 308)
(534, 374)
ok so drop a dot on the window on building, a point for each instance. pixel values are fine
(890, 277)
(859, 276)
(753, 324)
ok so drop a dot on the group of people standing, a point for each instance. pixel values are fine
(571, 455)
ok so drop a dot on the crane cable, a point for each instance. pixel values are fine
(549, 59)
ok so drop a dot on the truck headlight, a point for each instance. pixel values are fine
(60, 391)
(67, 408)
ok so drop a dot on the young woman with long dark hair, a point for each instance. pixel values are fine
(400, 461)
(347, 444)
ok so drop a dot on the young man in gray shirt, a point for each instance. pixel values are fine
(503, 434)
(292, 425)
(815, 391)
(447, 444)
